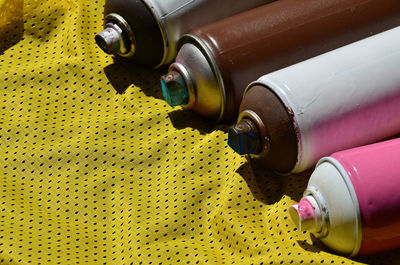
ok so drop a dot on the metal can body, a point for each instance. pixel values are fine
(362, 214)
(157, 25)
(274, 36)
(374, 172)
(146, 41)
(342, 99)
(177, 17)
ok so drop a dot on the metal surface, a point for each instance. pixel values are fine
(110, 40)
(177, 67)
(263, 134)
(362, 211)
(275, 124)
(373, 171)
(126, 37)
(149, 46)
(244, 138)
(277, 35)
(342, 99)
(177, 17)
(307, 215)
(202, 78)
(174, 89)
(339, 208)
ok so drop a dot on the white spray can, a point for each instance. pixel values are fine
(342, 99)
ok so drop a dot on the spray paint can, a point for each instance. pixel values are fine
(342, 99)
(147, 31)
(361, 214)
(216, 62)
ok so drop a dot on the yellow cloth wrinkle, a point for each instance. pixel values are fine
(95, 168)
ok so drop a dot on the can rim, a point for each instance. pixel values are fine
(120, 21)
(274, 87)
(353, 196)
(204, 48)
(263, 131)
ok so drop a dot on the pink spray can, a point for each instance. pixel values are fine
(352, 201)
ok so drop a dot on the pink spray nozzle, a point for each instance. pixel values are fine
(306, 214)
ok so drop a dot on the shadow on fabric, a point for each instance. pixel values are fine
(11, 23)
(122, 74)
(183, 118)
(269, 187)
(315, 247)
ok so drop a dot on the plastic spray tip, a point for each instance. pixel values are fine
(109, 40)
(244, 138)
(305, 214)
(174, 89)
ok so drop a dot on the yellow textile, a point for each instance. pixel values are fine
(97, 169)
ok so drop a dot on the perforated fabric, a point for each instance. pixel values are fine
(97, 169)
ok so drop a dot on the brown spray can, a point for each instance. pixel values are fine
(146, 32)
(216, 62)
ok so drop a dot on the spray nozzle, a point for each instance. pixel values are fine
(174, 89)
(244, 138)
(111, 39)
(306, 215)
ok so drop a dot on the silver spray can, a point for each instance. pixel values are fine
(147, 31)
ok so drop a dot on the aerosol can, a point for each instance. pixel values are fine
(352, 201)
(147, 31)
(216, 62)
(342, 99)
